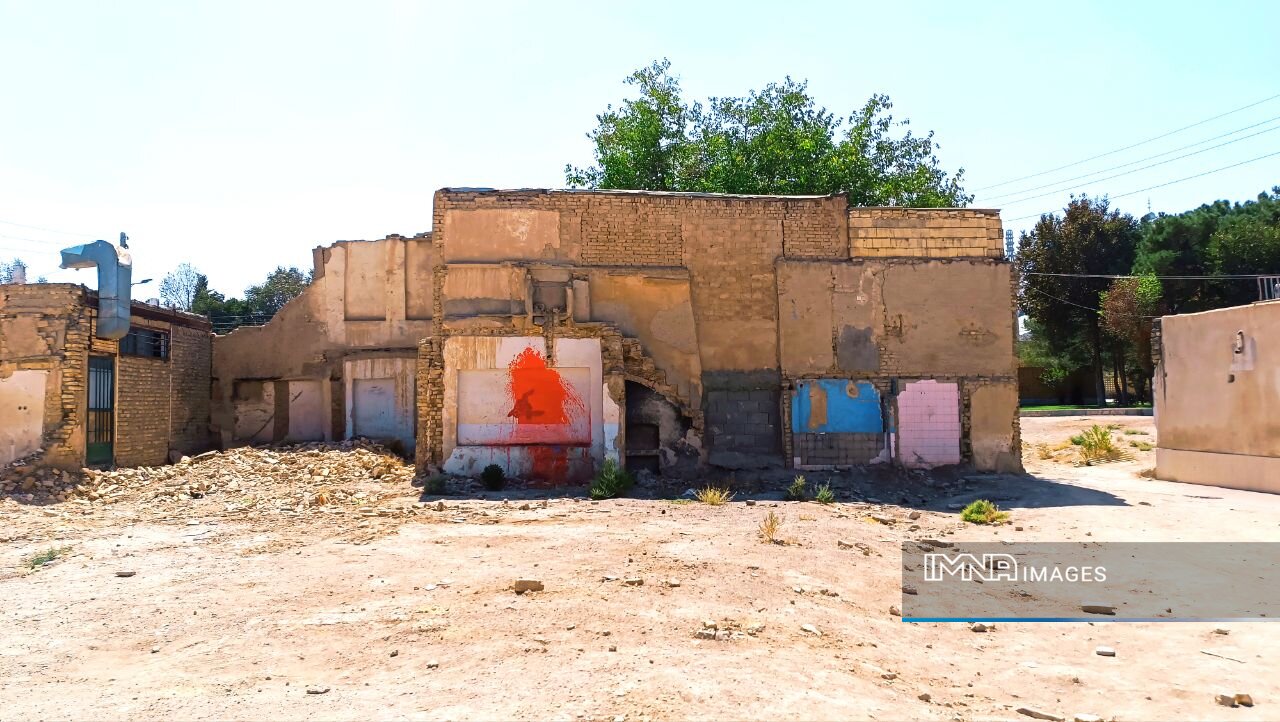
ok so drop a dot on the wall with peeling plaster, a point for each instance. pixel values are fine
(721, 307)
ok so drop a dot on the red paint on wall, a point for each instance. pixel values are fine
(549, 464)
(540, 397)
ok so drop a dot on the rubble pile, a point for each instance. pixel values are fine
(28, 480)
(329, 477)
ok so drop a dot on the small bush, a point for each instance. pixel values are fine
(797, 491)
(984, 512)
(434, 484)
(493, 477)
(824, 495)
(769, 528)
(1097, 446)
(1142, 445)
(1135, 432)
(612, 481)
(712, 495)
(1078, 439)
(48, 555)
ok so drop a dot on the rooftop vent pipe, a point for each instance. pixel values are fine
(115, 269)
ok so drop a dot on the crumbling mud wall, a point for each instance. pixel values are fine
(44, 344)
(736, 321)
(736, 301)
(289, 380)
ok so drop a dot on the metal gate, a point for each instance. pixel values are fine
(101, 428)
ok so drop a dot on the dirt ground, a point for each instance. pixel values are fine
(406, 611)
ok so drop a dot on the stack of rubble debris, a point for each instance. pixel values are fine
(329, 476)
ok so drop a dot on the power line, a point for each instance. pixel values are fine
(1087, 308)
(1135, 145)
(42, 228)
(1169, 183)
(1136, 170)
(1237, 276)
(1150, 157)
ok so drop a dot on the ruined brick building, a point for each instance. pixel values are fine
(89, 400)
(549, 330)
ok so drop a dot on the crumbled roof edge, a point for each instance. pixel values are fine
(694, 194)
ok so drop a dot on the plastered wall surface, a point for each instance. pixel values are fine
(1217, 388)
(366, 296)
(929, 424)
(21, 413)
(506, 402)
(380, 399)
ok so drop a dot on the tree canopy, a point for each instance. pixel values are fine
(1089, 238)
(260, 303)
(773, 141)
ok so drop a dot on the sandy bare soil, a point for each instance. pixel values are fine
(329, 612)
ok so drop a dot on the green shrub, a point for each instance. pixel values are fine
(612, 481)
(1096, 446)
(1078, 439)
(984, 512)
(797, 491)
(824, 495)
(434, 484)
(48, 555)
(493, 477)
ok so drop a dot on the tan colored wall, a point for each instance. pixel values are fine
(654, 308)
(721, 301)
(46, 327)
(927, 233)
(366, 296)
(160, 404)
(1211, 399)
(777, 288)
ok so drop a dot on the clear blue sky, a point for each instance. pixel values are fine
(238, 135)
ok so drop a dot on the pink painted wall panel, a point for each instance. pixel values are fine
(929, 424)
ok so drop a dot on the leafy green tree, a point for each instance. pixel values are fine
(260, 302)
(1128, 308)
(1219, 238)
(1088, 238)
(281, 286)
(774, 141)
(1247, 241)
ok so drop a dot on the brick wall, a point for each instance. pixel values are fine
(142, 411)
(163, 404)
(191, 358)
(731, 246)
(47, 327)
(929, 233)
